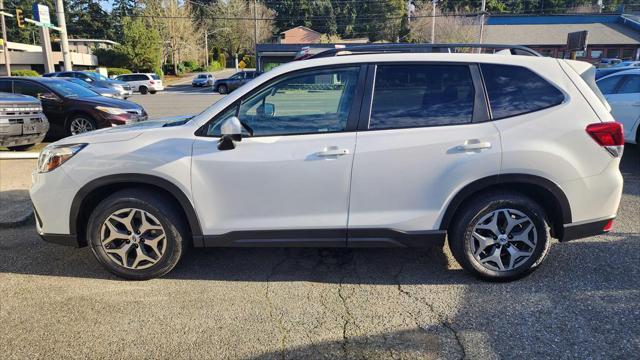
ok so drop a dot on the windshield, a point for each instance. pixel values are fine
(79, 82)
(70, 90)
(202, 76)
(96, 76)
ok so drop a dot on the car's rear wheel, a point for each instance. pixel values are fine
(143, 90)
(20, 147)
(137, 234)
(500, 236)
(80, 124)
(222, 89)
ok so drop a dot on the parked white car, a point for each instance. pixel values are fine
(143, 82)
(622, 91)
(496, 153)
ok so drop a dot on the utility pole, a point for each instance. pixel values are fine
(5, 44)
(206, 48)
(255, 31)
(433, 20)
(64, 41)
(482, 11)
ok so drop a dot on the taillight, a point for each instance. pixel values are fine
(608, 135)
(608, 226)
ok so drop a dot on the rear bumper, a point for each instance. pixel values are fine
(585, 229)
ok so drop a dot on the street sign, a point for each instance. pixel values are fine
(19, 18)
(41, 14)
(242, 64)
(577, 41)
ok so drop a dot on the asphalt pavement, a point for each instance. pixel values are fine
(583, 303)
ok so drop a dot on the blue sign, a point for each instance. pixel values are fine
(41, 14)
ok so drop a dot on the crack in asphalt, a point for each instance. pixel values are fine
(441, 318)
(279, 321)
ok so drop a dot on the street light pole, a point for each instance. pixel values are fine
(5, 44)
(206, 48)
(482, 11)
(64, 41)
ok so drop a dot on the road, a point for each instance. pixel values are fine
(58, 302)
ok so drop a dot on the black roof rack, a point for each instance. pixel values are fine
(420, 48)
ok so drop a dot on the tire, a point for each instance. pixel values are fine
(158, 210)
(222, 89)
(79, 124)
(20, 147)
(472, 223)
(152, 92)
(143, 90)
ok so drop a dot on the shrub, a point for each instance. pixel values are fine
(117, 71)
(215, 66)
(24, 73)
(115, 58)
(189, 65)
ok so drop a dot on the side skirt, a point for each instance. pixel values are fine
(352, 238)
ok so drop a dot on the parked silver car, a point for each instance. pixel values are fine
(22, 123)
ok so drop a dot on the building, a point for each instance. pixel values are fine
(299, 35)
(610, 35)
(30, 57)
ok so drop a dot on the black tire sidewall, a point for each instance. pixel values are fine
(461, 238)
(170, 221)
(222, 89)
(143, 90)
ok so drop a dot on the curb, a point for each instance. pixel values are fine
(18, 223)
(8, 155)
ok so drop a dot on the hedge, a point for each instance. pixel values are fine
(24, 73)
(117, 71)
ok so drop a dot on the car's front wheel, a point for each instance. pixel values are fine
(80, 124)
(143, 90)
(222, 89)
(137, 234)
(500, 236)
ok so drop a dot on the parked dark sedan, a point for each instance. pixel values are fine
(72, 108)
(225, 86)
(122, 88)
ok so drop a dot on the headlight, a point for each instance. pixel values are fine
(53, 156)
(111, 110)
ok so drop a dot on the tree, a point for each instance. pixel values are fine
(232, 25)
(449, 29)
(122, 9)
(87, 19)
(141, 45)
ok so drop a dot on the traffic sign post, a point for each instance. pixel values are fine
(5, 45)
(42, 19)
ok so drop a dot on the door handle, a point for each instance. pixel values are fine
(474, 144)
(333, 151)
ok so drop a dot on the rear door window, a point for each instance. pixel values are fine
(609, 85)
(416, 95)
(29, 88)
(515, 90)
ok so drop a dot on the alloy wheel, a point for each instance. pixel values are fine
(80, 125)
(503, 240)
(133, 238)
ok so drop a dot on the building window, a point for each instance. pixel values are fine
(613, 53)
(580, 54)
(627, 54)
(596, 53)
(547, 52)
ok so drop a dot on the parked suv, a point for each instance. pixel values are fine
(143, 83)
(225, 86)
(497, 153)
(22, 123)
(73, 109)
(121, 89)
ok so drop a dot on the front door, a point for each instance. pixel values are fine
(625, 104)
(289, 181)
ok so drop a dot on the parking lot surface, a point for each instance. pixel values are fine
(58, 302)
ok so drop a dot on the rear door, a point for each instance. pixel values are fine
(424, 136)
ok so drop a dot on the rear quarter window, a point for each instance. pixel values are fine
(515, 90)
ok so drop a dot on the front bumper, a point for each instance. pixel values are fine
(12, 131)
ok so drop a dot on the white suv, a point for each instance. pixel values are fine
(143, 82)
(497, 153)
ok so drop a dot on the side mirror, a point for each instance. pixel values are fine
(266, 110)
(231, 131)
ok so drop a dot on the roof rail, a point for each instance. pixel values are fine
(421, 48)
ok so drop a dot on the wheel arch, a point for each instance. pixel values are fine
(78, 112)
(546, 192)
(98, 189)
